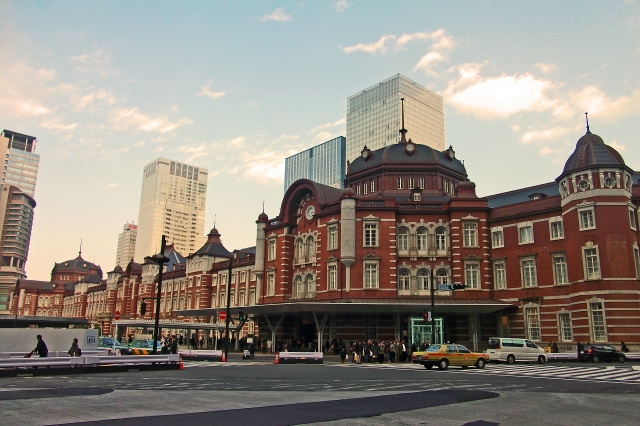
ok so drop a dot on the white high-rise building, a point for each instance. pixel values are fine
(17, 186)
(172, 203)
(374, 116)
(126, 245)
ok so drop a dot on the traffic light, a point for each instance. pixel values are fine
(143, 308)
(240, 316)
(426, 316)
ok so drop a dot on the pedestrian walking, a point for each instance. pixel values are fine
(74, 350)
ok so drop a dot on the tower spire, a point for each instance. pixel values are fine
(403, 131)
(586, 116)
(80, 251)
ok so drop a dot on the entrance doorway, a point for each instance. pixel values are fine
(420, 331)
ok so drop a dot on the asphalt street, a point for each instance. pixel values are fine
(261, 393)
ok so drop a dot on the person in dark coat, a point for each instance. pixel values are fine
(343, 353)
(74, 350)
(41, 348)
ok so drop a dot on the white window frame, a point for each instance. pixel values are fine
(584, 214)
(370, 276)
(500, 274)
(565, 329)
(271, 252)
(373, 186)
(632, 219)
(417, 197)
(560, 268)
(400, 182)
(470, 232)
(528, 271)
(532, 322)
(497, 237)
(472, 274)
(357, 189)
(422, 238)
(441, 239)
(525, 233)
(421, 183)
(365, 188)
(332, 276)
(636, 258)
(271, 283)
(402, 238)
(423, 278)
(410, 183)
(332, 237)
(556, 222)
(597, 326)
(370, 234)
(404, 279)
(589, 254)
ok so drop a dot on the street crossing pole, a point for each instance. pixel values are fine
(160, 259)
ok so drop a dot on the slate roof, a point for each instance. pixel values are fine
(75, 265)
(521, 195)
(175, 258)
(591, 151)
(43, 285)
(213, 247)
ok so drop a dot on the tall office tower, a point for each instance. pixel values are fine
(172, 203)
(374, 116)
(325, 163)
(126, 245)
(18, 185)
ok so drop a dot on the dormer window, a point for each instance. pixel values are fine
(416, 197)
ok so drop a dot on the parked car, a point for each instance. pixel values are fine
(445, 355)
(143, 347)
(512, 350)
(597, 353)
(107, 343)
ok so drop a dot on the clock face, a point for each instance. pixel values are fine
(310, 212)
(410, 147)
(365, 154)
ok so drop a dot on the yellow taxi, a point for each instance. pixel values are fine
(450, 354)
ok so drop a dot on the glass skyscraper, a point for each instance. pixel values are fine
(325, 163)
(374, 116)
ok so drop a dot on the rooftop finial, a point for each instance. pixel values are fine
(80, 251)
(586, 116)
(214, 220)
(263, 207)
(403, 131)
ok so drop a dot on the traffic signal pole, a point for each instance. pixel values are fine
(433, 308)
(157, 319)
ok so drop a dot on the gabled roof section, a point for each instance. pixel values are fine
(521, 195)
(213, 247)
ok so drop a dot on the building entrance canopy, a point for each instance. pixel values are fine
(363, 306)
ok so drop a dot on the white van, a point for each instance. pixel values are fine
(512, 350)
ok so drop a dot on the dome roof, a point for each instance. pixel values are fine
(75, 265)
(263, 218)
(397, 154)
(591, 151)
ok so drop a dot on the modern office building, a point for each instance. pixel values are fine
(18, 185)
(172, 203)
(126, 244)
(375, 115)
(325, 164)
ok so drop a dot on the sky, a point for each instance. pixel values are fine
(237, 87)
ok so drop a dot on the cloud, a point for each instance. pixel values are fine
(324, 136)
(278, 15)
(427, 61)
(96, 62)
(131, 118)
(206, 91)
(81, 102)
(266, 167)
(54, 125)
(195, 151)
(375, 47)
(32, 108)
(496, 96)
(617, 146)
(593, 100)
(545, 68)
(340, 6)
(329, 125)
(548, 134)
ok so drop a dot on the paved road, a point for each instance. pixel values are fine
(241, 392)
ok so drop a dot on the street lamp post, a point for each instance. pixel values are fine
(160, 259)
(433, 308)
(226, 329)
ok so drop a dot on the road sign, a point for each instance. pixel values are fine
(117, 315)
(429, 318)
(444, 287)
(222, 315)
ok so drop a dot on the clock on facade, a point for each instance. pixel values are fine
(410, 147)
(310, 212)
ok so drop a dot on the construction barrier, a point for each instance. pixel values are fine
(299, 358)
(202, 355)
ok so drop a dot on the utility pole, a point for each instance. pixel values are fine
(226, 329)
(160, 259)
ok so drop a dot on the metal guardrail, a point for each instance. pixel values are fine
(573, 356)
(87, 361)
(54, 354)
(299, 358)
(204, 354)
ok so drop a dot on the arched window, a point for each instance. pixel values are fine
(423, 279)
(422, 238)
(403, 239)
(310, 248)
(310, 287)
(443, 276)
(299, 251)
(441, 239)
(403, 279)
(299, 287)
